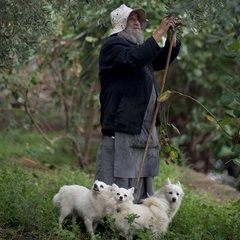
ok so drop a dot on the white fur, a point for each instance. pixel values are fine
(78, 200)
(173, 193)
(122, 195)
(119, 204)
(155, 213)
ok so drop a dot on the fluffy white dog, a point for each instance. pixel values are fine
(119, 205)
(78, 200)
(173, 193)
(155, 213)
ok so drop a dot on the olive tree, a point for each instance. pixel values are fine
(62, 39)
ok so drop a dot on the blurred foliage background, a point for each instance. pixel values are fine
(49, 76)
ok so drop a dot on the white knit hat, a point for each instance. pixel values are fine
(120, 15)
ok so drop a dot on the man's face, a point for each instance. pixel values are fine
(133, 31)
(133, 24)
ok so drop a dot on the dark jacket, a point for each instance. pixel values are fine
(126, 73)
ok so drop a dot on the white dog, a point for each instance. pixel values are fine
(119, 204)
(155, 213)
(173, 193)
(78, 200)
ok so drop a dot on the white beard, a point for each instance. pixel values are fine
(136, 38)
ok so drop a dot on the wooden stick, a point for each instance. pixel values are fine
(155, 113)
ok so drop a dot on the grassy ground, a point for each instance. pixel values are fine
(26, 210)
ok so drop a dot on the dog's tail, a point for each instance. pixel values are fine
(55, 201)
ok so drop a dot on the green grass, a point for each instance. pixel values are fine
(19, 143)
(26, 199)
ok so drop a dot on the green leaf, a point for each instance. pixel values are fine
(234, 46)
(164, 96)
(230, 114)
(15, 94)
(210, 118)
(227, 78)
(236, 148)
(213, 38)
(175, 129)
(226, 100)
(224, 121)
(230, 55)
(91, 39)
(227, 107)
(34, 80)
(237, 161)
(237, 113)
(173, 154)
(237, 99)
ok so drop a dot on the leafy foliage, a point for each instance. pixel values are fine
(208, 71)
(24, 24)
(65, 70)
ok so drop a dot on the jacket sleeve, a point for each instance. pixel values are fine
(119, 53)
(160, 60)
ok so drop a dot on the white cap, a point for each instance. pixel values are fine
(120, 15)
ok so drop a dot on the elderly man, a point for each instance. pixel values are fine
(128, 99)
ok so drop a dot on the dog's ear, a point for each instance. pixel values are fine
(131, 190)
(178, 184)
(114, 186)
(167, 182)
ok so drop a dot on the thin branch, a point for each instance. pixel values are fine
(195, 100)
(35, 123)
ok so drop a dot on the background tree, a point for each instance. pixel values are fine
(65, 70)
(23, 25)
(211, 75)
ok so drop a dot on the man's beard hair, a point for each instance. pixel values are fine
(136, 38)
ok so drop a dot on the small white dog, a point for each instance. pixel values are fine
(78, 200)
(120, 205)
(173, 193)
(155, 213)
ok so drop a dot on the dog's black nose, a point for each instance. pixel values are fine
(174, 199)
(95, 187)
(121, 198)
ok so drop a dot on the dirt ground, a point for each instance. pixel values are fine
(204, 184)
